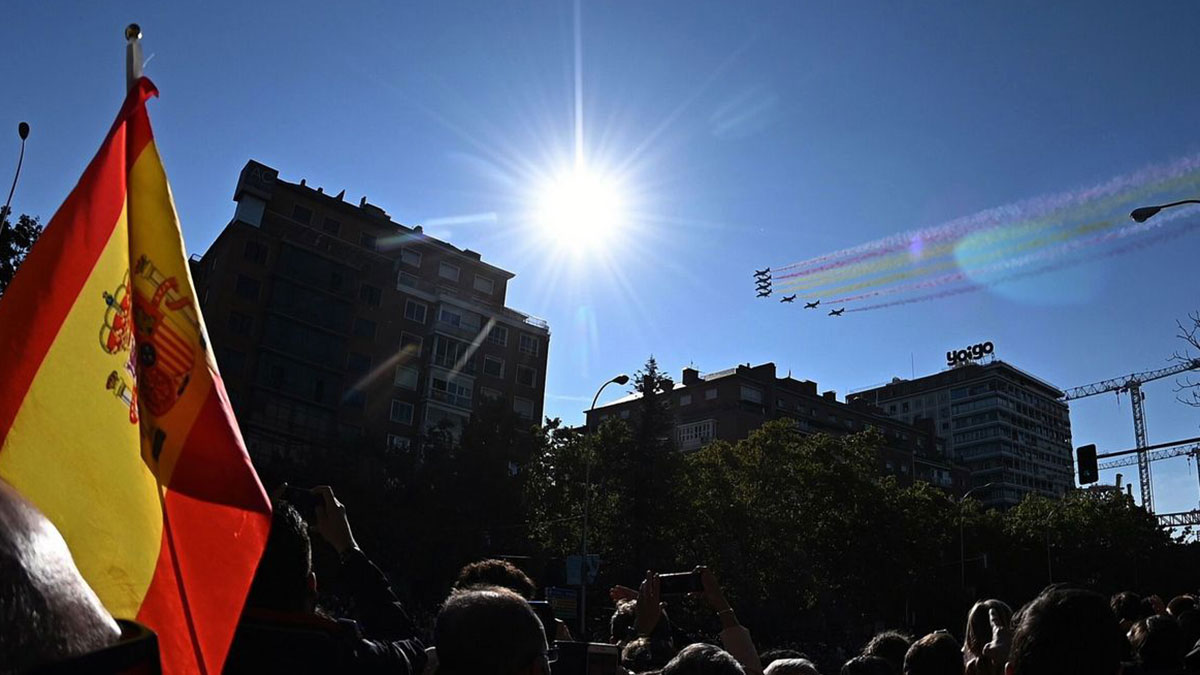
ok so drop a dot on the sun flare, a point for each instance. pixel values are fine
(580, 211)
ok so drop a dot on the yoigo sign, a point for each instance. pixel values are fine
(973, 353)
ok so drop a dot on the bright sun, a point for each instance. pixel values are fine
(580, 211)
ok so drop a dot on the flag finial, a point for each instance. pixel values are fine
(133, 54)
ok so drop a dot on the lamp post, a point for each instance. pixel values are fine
(23, 132)
(1144, 213)
(962, 547)
(587, 498)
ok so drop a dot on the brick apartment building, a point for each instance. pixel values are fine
(1009, 428)
(333, 324)
(729, 404)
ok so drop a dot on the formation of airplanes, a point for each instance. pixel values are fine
(762, 282)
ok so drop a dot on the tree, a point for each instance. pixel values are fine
(1187, 388)
(15, 242)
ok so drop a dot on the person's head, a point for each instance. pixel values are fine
(979, 627)
(1127, 607)
(284, 580)
(47, 611)
(891, 646)
(792, 667)
(489, 631)
(868, 665)
(1189, 624)
(935, 654)
(1065, 631)
(772, 655)
(1158, 643)
(494, 572)
(1180, 604)
(644, 654)
(621, 625)
(702, 659)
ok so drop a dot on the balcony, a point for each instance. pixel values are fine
(438, 292)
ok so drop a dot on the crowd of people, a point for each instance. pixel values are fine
(491, 623)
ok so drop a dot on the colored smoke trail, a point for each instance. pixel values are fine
(1045, 269)
(1045, 234)
(1072, 205)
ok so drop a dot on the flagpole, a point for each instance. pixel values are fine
(133, 54)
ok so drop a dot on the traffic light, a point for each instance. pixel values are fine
(1086, 456)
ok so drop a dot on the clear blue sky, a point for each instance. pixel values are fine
(750, 134)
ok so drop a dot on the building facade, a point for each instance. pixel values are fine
(1010, 429)
(333, 324)
(729, 404)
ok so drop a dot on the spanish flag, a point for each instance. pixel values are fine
(113, 417)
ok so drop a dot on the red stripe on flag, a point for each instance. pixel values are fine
(50, 280)
(214, 503)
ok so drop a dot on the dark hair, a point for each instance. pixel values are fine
(281, 581)
(486, 631)
(1180, 604)
(622, 629)
(792, 666)
(492, 572)
(1189, 624)
(772, 655)
(868, 665)
(645, 654)
(1158, 643)
(1127, 606)
(1066, 631)
(934, 654)
(702, 659)
(979, 626)
(891, 646)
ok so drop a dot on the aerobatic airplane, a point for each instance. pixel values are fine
(788, 298)
(836, 312)
(811, 305)
(763, 294)
(759, 273)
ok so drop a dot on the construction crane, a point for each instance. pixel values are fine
(1132, 385)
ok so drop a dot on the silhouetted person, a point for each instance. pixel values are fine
(772, 655)
(702, 659)
(646, 654)
(494, 572)
(1127, 607)
(281, 629)
(489, 631)
(891, 646)
(792, 666)
(934, 654)
(49, 617)
(1157, 642)
(1180, 604)
(1065, 631)
(869, 665)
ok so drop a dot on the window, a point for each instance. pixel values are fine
(331, 226)
(685, 399)
(410, 257)
(395, 442)
(240, 323)
(447, 390)
(528, 345)
(354, 398)
(498, 336)
(484, 285)
(781, 404)
(448, 271)
(489, 394)
(248, 288)
(493, 366)
(526, 376)
(450, 316)
(367, 241)
(357, 364)
(405, 377)
(710, 394)
(408, 280)
(256, 252)
(453, 354)
(415, 311)
(751, 394)
(411, 343)
(523, 407)
(401, 412)
(370, 294)
(302, 214)
(692, 436)
(364, 328)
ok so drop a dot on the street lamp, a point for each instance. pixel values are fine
(587, 498)
(23, 132)
(962, 548)
(1144, 213)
